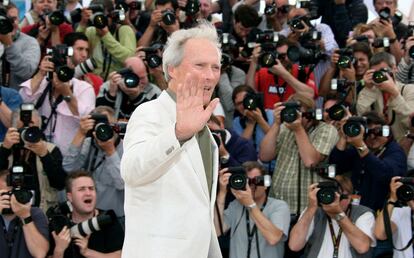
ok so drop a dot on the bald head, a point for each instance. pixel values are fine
(138, 67)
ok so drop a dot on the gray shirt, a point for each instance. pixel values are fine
(277, 211)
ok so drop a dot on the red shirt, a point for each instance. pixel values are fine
(280, 92)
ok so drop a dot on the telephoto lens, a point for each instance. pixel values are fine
(86, 67)
(31, 134)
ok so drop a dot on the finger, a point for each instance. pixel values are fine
(213, 104)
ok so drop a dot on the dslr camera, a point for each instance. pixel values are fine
(238, 179)
(151, 55)
(290, 112)
(55, 17)
(103, 129)
(22, 185)
(252, 101)
(6, 24)
(309, 55)
(131, 80)
(354, 125)
(385, 14)
(346, 58)
(86, 67)
(267, 40)
(405, 193)
(326, 192)
(98, 18)
(325, 170)
(168, 17)
(192, 8)
(380, 75)
(59, 54)
(31, 134)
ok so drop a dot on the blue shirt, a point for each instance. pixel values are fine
(12, 100)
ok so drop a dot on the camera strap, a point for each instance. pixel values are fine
(388, 231)
(53, 113)
(336, 240)
(253, 232)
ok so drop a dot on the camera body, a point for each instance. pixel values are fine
(131, 80)
(192, 8)
(405, 193)
(32, 134)
(353, 125)
(290, 112)
(103, 129)
(22, 185)
(6, 24)
(217, 134)
(252, 101)
(59, 54)
(296, 22)
(151, 55)
(267, 40)
(309, 55)
(168, 17)
(327, 191)
(346, 58)
(56, 17)
(238, 179)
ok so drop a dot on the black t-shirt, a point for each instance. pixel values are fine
(107, 240)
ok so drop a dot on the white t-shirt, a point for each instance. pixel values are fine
(402, 219)
(366, 223)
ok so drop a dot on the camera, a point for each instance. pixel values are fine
(252, 101)
(6, 24)
(98, 18)
(217, 135)
(168, 17)
(325, 170)
(352, 126)
(326, 192)
(192, 7)
(267, 40)
(380, 75)
(290, 112)
(28, 133)
(59, 217)
(341, 84)
(381, 43)
(383, 131)
(346, 58)
(131, 80)
(151, 55)
(22, 185)
(385, 13)
(362, 38)
(55, 17)
(59, 54)
(405, 193)
(270, 9)
(226, 60)
(228, 42)
(86, 67)
(103, 129)
(306, 56)
(409, 34)
(296, 22)
(238, 178)
(120, 128)
(337, 112)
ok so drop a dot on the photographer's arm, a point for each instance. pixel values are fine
(52, 166)
(55, 35)
(95, 254)
(297, 85)
(125, 47)
(356, 237)
(308, 153)
(5, 115)
(325, 83)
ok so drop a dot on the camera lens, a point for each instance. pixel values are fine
(64, 73)
(289, 114)
(405, 193)
(238, 181)
(267, 59)
(103, 132)
(56, 18)
(379, 76)
(131, 80)
(344, 62)
(23, 196)
(336, 112)
(326, 196)
(168, 17)
(411, 52)
(249, 102)
(352, 128)
(153, 61)
(99, 20)
(192, 7)
(270, 9)
(32, 134)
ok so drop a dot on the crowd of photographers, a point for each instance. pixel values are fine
(315, 125)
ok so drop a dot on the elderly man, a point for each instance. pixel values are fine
(170, 161)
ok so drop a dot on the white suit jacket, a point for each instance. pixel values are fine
(168, 210)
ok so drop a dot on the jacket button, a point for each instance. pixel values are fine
(169, 150)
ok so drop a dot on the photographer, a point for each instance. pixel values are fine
(405, 72)
(10, 100)
(164, 21)
(253, 218)
(125, 91)
(21, 53)
(111, 42)
(60, 103)
(386, 95)
(299, 142)
(25, 231)
(279, 82)
(94, 150)
(330, 224)
(373, 157)
(25, 145)
(107, 242)
(400, 220)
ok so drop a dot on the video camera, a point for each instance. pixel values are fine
(238, 179)
(59, 54)
(327, 191)
(59, 217)
(151, 55)
(352, 126)
(131, 80)
(405, 193)
(22, 186)
(6, 24)
(346, 58)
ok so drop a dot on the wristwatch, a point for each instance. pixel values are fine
(27, 220)
(362, 149)
(340, 216)
(251, 206)
(67, 98)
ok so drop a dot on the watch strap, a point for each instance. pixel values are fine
(340, 216)
(27, 220)
(251, 206)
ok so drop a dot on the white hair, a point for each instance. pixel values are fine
(174, 50)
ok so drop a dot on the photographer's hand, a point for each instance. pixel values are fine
(277, 109)
(62, 241)
(245, 197)
(108, 146)
(312, 200)
(296, 125)
(39, 148)
(156, 18)
(395, 183)
(357, 141)
(114, 80)
(44, 32)
(12, 137)
(389, 86)
(102, 32)
(4, 200)
(82, 243)
(21, 210)
(334, 208)
(369, 83)
(224, 176)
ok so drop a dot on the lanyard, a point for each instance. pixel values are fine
(251, 233)
(337, 239)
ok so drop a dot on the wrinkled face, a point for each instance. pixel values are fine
(200, 68)
(362, 64)
(40, 6)
(238, 102)
(83, 195)
(205, 8)
(257, 191)
(380, 4)
(80, 51)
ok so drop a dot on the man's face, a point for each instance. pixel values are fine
(328, 104)
(198, 67)
(280, 16)
(41, 5)
(205, 8)
(383, 65)
(380, 4)
(241, 31)
(238, 102)
(373, 141)
(80, 51)
(83, 195)
(370, 35)
(13, 14)
(282, 56)
(362, 64)
(258, 191)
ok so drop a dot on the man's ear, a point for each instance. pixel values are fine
(69, 197)
(171, 72)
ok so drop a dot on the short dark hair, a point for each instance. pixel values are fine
(282, 41)
(247, 15)
(362, 47)
(75, 175)
(11, 6)
(72, 37)
(374, 117)
(249, 165)
(174, 3)
(380, 57)
(242, 88)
